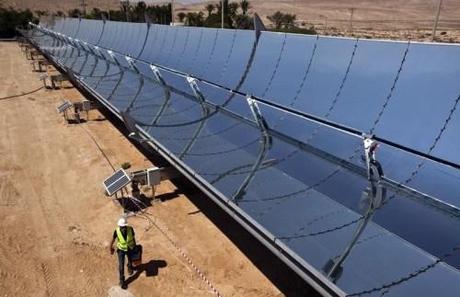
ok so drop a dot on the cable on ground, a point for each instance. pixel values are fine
(23, 94)
(98, 147)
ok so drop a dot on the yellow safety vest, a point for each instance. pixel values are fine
(123, 244)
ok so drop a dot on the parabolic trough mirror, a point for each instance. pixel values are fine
(273, 127)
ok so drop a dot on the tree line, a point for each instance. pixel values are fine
(10, 19)
(127, 12)
(236, 16)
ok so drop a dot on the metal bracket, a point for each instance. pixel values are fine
(132, 64)
(57, 79)
(150, 177)
(129, 122)
(39, 64)
(257, 114)
(114, 58)
(135, 136)
(75, 42)
(83, 45)
(196, 90)
(266, 143)
(85, 106)
(153, 176)
(63, 37)
(69, 40)
(374, 196)
(370, 147)
(157, 74)
(97, 52)
(201, 99)
(258, 25)
(43, 78)
(78, 107)
(130, 125)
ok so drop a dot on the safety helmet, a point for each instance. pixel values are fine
(122, 222)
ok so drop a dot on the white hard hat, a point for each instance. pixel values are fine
(122, 222)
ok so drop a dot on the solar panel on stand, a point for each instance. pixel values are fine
(116, 182)
(64, 106)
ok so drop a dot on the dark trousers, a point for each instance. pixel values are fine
(121, 263)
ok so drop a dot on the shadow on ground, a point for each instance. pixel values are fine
(150, 268)
(169, 196)
(135, 204)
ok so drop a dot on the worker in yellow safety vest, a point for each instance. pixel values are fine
(126, 242)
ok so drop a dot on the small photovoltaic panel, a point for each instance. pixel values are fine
(116, 182)
(64, 106)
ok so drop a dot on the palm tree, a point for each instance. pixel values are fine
(232, 9)
(181, 15)
(195, 19)
(244, 4)
(125, 7)
(210, 8)
(139, 11)
(276, 19)
(280, 19)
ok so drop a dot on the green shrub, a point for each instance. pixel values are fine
(10, 19)
(126, 165)
(310, 31)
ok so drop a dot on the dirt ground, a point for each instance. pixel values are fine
(56, 222)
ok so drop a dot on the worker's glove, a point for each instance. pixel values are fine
(112, 250)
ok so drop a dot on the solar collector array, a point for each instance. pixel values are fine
(307, 204)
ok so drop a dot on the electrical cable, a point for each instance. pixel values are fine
(23, 94)
(98, 147)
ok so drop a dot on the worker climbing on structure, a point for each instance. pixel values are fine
(126, 242)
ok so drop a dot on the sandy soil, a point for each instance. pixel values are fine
(56, 222)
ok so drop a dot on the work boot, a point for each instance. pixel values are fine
(123, 285)
(130, 271)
